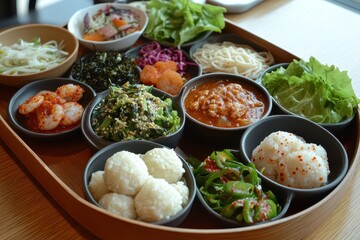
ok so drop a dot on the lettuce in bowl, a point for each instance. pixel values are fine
(319, 92)
(181, 21)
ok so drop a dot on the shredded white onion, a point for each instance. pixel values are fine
(30, 57)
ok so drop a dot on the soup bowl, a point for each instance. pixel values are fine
(216, 124)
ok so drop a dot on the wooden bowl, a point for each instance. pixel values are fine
(46, 33)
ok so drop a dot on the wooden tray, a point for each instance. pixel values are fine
(58, 166)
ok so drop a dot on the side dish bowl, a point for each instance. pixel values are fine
(45, 33)
(224, 134)
(243, 56)
(284, 199)
(98, 142)
(31, 89)
(97, 69)
(76, 27)
(311, 133)
(152, 52)
(98, 160)
(332, 127)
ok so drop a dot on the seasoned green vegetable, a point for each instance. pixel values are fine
(180, 21)
(132, 112)
(318, 92)
(234, 190)
(101, 69)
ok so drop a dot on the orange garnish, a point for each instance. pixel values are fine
(94, 37)
(118, 22)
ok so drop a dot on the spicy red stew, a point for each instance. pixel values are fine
(225, 103)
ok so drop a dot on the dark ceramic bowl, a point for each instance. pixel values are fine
(226, 37)
(312, 133)
(31, 89)
(284, 198)
(193, 69)
(98, 160)
(221, 134)
(97, 142)
(332, 127)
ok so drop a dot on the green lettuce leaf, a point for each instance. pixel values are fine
(180, 21)
(321, 93)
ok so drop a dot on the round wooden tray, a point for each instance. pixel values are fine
(58, 166)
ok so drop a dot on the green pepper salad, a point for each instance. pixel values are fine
(133, 112)
(234, 190)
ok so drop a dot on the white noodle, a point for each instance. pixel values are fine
(232, 58)
(28, 57)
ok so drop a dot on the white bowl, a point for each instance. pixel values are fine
(75, 26)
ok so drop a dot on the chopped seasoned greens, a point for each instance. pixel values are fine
(102, 69)
(321, 93)
(180, 21)
(133, 112)
(234, 189)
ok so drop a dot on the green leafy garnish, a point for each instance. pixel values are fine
(180, 21)
(321, 93)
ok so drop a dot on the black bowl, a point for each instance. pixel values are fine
(284, 199)
(98, 160)
(228, 135)
(32, 89)
(312, 133)
(97, 142)
(332, 127)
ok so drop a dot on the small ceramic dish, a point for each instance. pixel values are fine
(98, 160)
(45, 33)
(236, 63)
(31, 89)
(333, 127)
(283, 197)
(76, 27)
(97, 142)
(311, 133)
(224, 133)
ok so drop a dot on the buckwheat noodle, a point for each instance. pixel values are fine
(232, 58)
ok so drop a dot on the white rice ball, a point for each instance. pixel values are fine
(119, 204)
(125, 173)
(289, 160)
(157, 200)
(181, 187)
(164, 163)
(97, 186)
(275, 146)
(303, 169)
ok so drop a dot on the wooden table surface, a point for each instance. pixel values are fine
(318, 28)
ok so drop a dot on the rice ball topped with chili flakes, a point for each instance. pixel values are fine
(287, 159)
